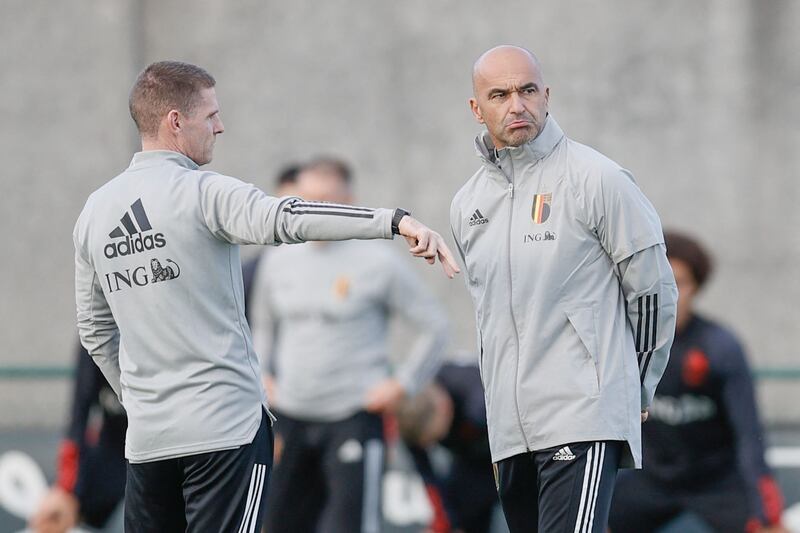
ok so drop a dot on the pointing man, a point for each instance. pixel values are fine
(165, 321)
(574, 302)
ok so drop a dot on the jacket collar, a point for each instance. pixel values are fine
(533, 150)
(159, 157)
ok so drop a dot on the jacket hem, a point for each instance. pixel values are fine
(570, 439)
(185, 450)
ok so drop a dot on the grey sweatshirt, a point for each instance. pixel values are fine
(160, 300)
(321, 314)
(574, 296)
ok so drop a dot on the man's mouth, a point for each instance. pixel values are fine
(518, 124)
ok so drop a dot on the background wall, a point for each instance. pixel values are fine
(699, 99)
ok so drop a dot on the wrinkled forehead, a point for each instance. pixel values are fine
(506, 68)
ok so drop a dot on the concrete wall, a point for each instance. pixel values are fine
(699, 99)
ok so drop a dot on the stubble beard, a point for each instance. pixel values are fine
(522, 136)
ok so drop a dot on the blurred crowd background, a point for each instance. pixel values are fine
(700, 100)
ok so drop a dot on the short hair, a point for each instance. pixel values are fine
(414, 416)
(333, 165)
(163, 86)
(687, 249)
(287, 175)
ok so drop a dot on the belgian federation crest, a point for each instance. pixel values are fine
(540, 211)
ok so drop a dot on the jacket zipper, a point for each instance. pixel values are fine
(511, 306)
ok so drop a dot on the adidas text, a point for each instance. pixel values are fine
(134, 245)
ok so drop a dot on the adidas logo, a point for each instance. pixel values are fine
(564, 454)
(134, 241)
(477, 218)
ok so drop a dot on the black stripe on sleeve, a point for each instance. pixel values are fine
(288, 209)
(639, 328)
(655, 322)
(646, 342)
(326, 205)
(653, 342)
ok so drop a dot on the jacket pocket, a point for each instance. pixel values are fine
(582, 320)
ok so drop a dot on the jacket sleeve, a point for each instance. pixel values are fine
(96, 325)
(240, 213)
(412, 300)
(629, 230)
(738, 396)
(620, 214)
(651, 296)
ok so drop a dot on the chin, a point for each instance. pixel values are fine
(519, 140)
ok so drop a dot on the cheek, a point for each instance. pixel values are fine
(495, 116)
(538, 108)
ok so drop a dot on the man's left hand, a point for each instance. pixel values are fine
(385, 396)
(426, 243)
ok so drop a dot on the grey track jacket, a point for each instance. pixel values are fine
(573, 293)
(321, 315)
(159, 295)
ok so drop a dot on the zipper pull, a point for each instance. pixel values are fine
(511, 190)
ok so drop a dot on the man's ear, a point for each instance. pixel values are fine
(476, 111)
(174, 121)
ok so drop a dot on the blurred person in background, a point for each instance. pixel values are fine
(160, 306)
(574, 302)
(451, 413)
(703, 443)
(285, 186)
(91, 459)
(321, 319)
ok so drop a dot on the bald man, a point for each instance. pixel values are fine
(574, 302)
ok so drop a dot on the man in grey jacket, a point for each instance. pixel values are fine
(574, 301)
(321, 317)
(159, 296)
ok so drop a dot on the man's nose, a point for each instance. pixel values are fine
(220, 127)
(516, 103)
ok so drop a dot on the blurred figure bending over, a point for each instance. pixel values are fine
(703, 444)
(321, 315)
(451, 412)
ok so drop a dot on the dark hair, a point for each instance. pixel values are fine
(287, 175)
(162, 87)
(332, 165)
(684, 248)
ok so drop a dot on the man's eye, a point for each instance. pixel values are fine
(496, 96)
(530, 90)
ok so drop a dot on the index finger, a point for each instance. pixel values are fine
(448, 261)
